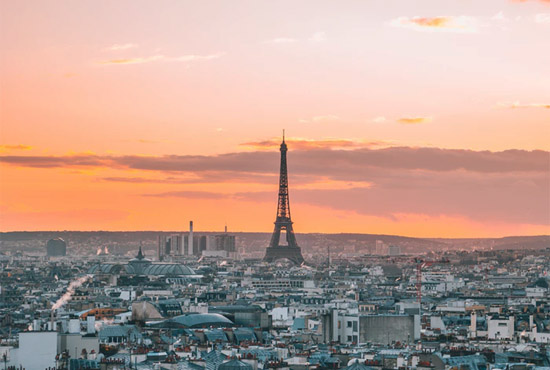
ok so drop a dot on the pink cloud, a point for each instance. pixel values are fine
(461, 24)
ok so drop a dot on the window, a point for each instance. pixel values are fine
(349, 324)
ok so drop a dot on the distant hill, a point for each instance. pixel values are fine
(509, 242)
(256, 242)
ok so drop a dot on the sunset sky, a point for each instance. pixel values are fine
(420, 118)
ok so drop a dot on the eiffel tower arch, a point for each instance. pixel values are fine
(291, 251)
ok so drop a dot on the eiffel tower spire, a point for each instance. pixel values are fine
(283, 222)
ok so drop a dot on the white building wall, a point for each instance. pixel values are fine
(37, 349)
(500, 328)
(279, 313)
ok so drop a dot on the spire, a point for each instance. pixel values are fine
(283, 144)
(140, 255)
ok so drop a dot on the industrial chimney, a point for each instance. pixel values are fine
(190, 246)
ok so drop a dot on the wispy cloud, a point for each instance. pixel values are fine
(325, 118)
(309, 144)
(158, 58)
(507, 185)
(136, 60)
(379, 119)
(460, 24)
(318, 37)
(517, 104)
(434, 159)
(118, 47)
(499, 17)
(7, 147)
(414, 120)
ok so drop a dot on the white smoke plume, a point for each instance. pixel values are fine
(101, 323)
(70, 291)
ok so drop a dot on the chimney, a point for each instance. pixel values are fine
(74, 326)
(190, 243)
(473, 324)
(90, 324)
(36, 325)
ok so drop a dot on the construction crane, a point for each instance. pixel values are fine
(420, 264)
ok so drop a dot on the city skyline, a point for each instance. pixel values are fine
(428, 119)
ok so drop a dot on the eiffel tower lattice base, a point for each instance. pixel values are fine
(293, 254)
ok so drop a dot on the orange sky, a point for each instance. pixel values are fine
(424, 119)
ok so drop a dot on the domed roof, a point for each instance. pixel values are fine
(107, 268)
(197, 320)
(174, 269)
(155, 269)
(235, 365)
(142, 266)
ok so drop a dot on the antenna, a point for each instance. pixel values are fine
(283, 135)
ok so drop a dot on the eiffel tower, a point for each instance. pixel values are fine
(291, 250)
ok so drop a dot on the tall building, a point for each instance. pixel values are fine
(283, 222)
(394, 250)
(56, 247)
(177, 244)
(190, 244)
(225, 242)
(221, 245)
(381, 248)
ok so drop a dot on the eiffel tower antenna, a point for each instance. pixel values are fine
(283, 221)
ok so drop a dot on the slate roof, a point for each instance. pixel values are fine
(244, 334)
(120, 331)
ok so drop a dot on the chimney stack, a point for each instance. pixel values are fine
(190, 246)
(74, 326)
(90, 324)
